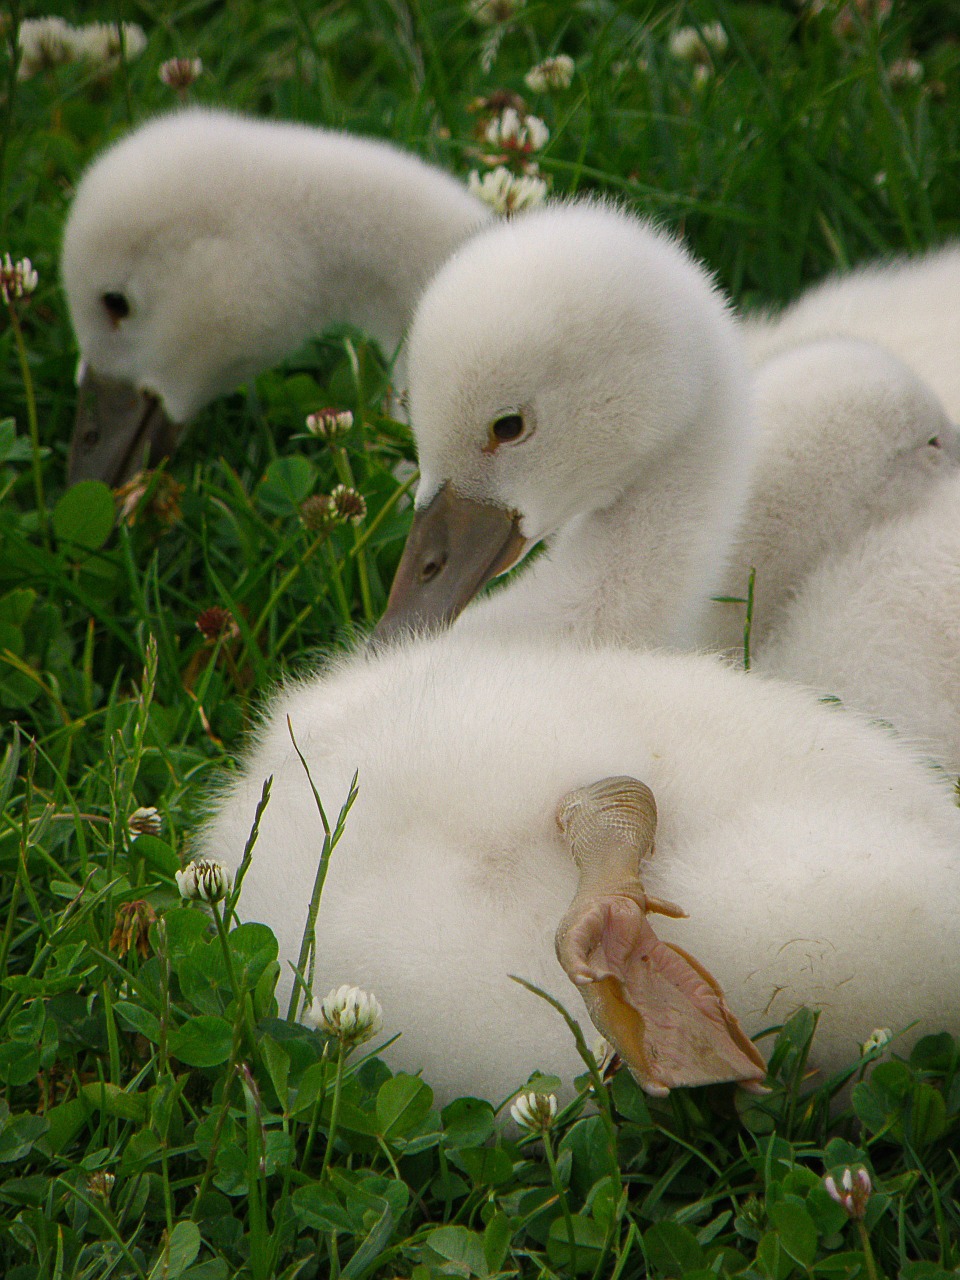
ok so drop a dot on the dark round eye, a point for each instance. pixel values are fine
(935, 442)
(117, 306)
(507, 428)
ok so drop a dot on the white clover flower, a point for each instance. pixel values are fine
(348, 504)
(104, 42)
(347, 1013)
(551, 73)
(16, 278)
(180, 73)
(853, 1192)
(905, 71)
(205, 879)
(693, 44)
(329, 423)
(505, 193)
(876, 1040)
(492, 12)
(45, 43)
(144, 821)
(535, 1111)
(512, 132)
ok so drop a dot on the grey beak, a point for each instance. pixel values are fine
(455, 545)
(118, 431)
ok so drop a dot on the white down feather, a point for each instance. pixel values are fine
(625, 362)
(909, 305)
(234, 240)
(879, 626)
(848, 437)
(818, 863)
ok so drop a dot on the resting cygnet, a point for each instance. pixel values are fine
(910, 306)
(848, 436)
(575, 378)
(206, 246)
(879, 626)
(496, 825)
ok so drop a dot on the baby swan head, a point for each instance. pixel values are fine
(554, 361)
(204, 247)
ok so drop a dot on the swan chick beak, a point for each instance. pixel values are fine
(663, 1012)
(117, 431)
(455, 546)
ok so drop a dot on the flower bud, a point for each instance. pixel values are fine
(552, 73)
(205, 879)
(348, 504)
(347, 1013)
(180, 73)
(16, 278)
(535, 1112)
(144, 821)
(505, 193)
(329, 423)
(853, 1193)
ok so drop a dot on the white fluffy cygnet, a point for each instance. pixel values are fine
(910, 306)
(576, 378)
(817, 862)
(848, 436)
(205, 246)
(879, 627)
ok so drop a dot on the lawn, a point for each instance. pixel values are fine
(160, 1117)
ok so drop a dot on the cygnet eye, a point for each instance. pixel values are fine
(935, 442)
(116, 306)
(507, 429)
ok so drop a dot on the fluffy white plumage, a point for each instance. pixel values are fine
(233, 240)
(818, 863)
(848, 436)
(625, 364)
(910, 306)
(879, 626)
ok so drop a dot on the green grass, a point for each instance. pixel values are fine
(172, 1071)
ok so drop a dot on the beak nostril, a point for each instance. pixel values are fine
(90, 438)
(431, 567)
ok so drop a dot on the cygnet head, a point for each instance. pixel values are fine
(205, 246)
(870, 435)
(553, 360)
(848, 436)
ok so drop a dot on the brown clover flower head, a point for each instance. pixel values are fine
(131, 928)
(163, 503)
(216, 623)
(318, 512)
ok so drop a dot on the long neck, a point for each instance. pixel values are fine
(357, 229)
(642, 571)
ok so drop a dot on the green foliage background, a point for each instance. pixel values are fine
(798, 152)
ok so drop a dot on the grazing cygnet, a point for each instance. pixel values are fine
(848, 436)
(817, 862)
(575, 378)
(879, 626)
(205, 246)
(910, 306)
